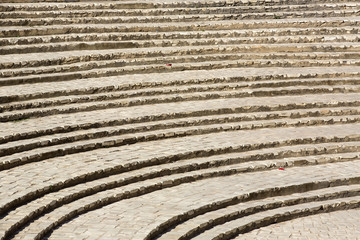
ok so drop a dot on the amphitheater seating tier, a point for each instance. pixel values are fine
(167, 119)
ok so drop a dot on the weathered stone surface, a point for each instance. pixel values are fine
(183, 120)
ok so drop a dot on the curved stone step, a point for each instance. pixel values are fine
(179, 18)
(104, 4)
(184, 207)
(322, 225)
(112, 36)
(10, 94)
(115, 44)
(73, 57)
(287, 156)
(284, 214)
(248, 121)
(118, 162)
(19, 156)
(49, 204)
(182, 26)
(345, 58)
(80, 163)
(201, 223)
(198, 96)
(22, 13)
(95, 119)
(171, 90)
(190, 65)
(30, 97)
(59, 135)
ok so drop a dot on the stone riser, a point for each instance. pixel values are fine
(199, 26)
(161, 68)
(73, 46)
(13, 116)
(184, 115)
(183, 18)
(314, 118)
(228, 202)
(129, 167)
(182, 169)
(113, 36)
(227, 86)
(105, 4)
(345, 204)
(175, 11)
(335, 58)
(12, 162)
(144, 84)
(263, 206)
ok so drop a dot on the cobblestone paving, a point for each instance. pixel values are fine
(334, 225)
(180, 120)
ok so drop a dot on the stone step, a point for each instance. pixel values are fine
(96, 129)
(90, 86)
(33, 97)
(249, 121)
(158, 99)
(74, 46)
(286, 156)
(39, 152)
(174, 11)
(169, 88)
(112, 36)
(69, 61)
(73, 133)
(188, 63)
(20, 31)
(194, 119)
(32, 210)
(102, 162)
(201, 223)
(104, 4)
(179, 18)
(345, 57)
(94, 119)
(321, 225)
(69, 57)
(234, 228)
(206, 200)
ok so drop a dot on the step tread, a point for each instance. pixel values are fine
(184, 97)
(17, 214)
(172, 204)
(244, 118)
(81, 163)
(176, 76)
(243, 125)
(138, 111)
(183, 228)
(237, 223)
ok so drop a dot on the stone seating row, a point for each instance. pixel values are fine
(169, 88)
(98, 45)
(190, 63)
(111, 4)
(192, 167)
(22, 31)
(41, 13)
(116, 36)
(177, 18)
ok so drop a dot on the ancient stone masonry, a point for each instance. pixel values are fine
(169, 119)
